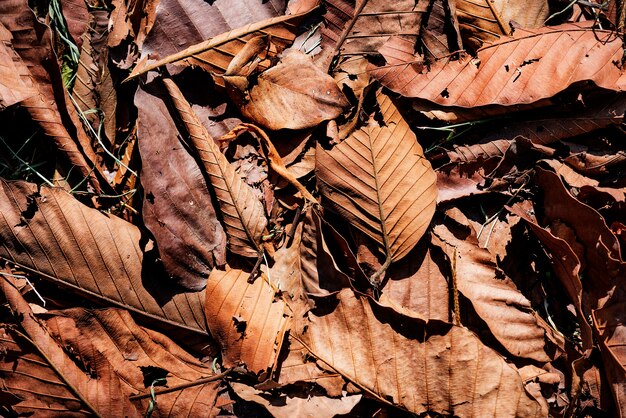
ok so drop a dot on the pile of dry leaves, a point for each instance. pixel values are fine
(314, 208)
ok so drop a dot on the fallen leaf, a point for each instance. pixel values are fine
(294, 94)
(418, 366)
(177, 206)
(387, 193)
(522, 69)
(243, 213)
(96, 255)
(248, 320)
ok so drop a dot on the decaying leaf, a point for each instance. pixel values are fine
(294, 94)
(486, 21)
(214, 54)
(249, 320)
(95, 255)
(243, 214)
(379, 180)
(177, 207)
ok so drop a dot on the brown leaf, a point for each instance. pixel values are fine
(440, 30)
(297, 404)
(294, 94)
(418, 284)
(102, 396)
(177, 206)
(110, 338)
(32, 42)
(243, 213)
(15, 82)
(215, 54)
(354, 28)
(379, 180)
(522, 69)
(601, 247)
(418, 366)
(248, 320)
(487, 21)
(566, 267)
(95, 255)
(507, 313)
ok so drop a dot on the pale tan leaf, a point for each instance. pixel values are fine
(379, 180)
(243, 214)
(15, 85)
(214, 54)
(522, 69)
(419, 366)
(487, 20)
(249, 320)
(98, 256)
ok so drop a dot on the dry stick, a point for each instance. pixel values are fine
(276, 162)
(182, 386)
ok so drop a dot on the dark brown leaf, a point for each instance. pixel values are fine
(177, 206)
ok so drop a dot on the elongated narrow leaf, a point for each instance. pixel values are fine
(247, 319)
(96, 255)
(177, 206)
(567, 268)
(103, 396)
(522, 69)
(418, 366)
(214, 55)
(486, 20)
(244, 216)
(505, 310)
(379, 180)
(33, 43)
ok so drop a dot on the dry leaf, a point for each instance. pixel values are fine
(248, 320)
(243, 213)
(379, 180)
(523, 69)
(294, 94)
(177, 206)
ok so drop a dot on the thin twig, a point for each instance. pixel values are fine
(182, 386)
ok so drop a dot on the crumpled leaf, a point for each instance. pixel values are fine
(297, 404)
(177, 206)
(387, 192)
(486, 21)
(95, 255)
(361, 27)
(416, 365)
(243, 214)
(522, 69)
(248, 320)
(294, 94)
(110, 338)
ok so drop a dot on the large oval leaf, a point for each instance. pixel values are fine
(379, 180)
